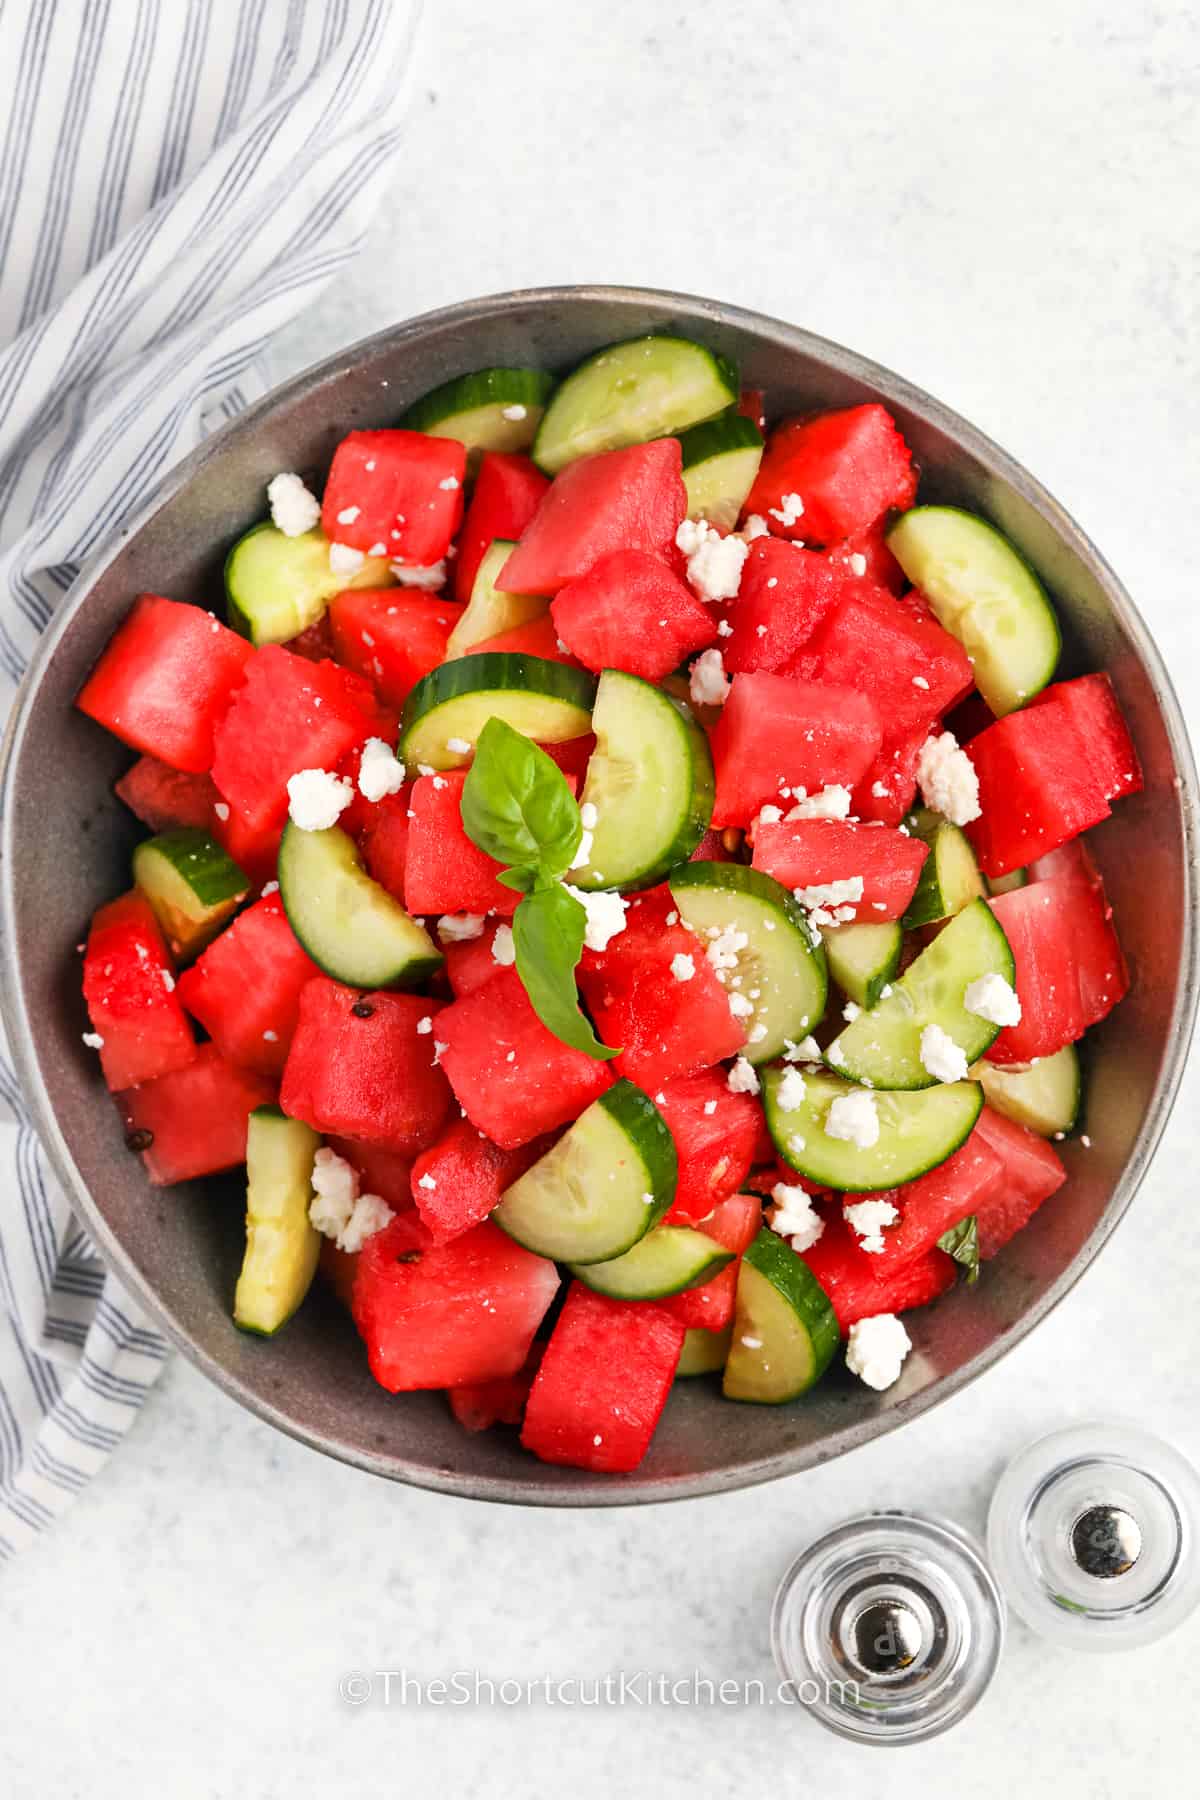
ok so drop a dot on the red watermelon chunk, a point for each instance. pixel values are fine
(856, 1293)
(933, 1203)
(775, 732)
(630, 499)
(892, 650)
(245, 988)
(129, 990)
(1070, 972)
(866, 555)
(370, 1077)
(458, 1181)
(164, 798)
(537, 637)
(1092, 705)
(481, 1404)
(849, 468)
(715, 1135)
(195, 1118)
(1038, 786)
(506, 495)
(384, 842)
(470, 963)
(886, 791)
(513, 1077)
(1033, 1171)
(289, 715)
(603, 1382)
(165, 681)
(387, 1173)
(391, 637)
(733, 1224)
(395, 493)
(630, 611)
(253, 847)
(785, 593)
(444, 871)
(809, 852)
(448, 1315)
(315, 644)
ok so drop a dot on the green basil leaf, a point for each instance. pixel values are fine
(516, 804)
(548, 929)
(962, 1243)
(524, 880)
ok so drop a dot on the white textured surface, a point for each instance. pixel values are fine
(1001, 203)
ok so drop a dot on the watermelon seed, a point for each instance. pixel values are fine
(362, 1009)
(139, 1140)
(409, 1256)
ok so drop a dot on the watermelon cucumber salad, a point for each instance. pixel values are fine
(616, 882)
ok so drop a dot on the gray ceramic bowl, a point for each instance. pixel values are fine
(66, 847)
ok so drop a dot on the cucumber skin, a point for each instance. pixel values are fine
(587, 1272)
(726, 372)
(276, 1115)
(810, 1167)
(493, 671)
(717, 437)
(642, 1122)
(496, 387)
(798, 1288)
(885, 973)
(219, 882)
(417, 970)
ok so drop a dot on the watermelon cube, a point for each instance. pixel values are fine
(602, 1383)
(253, 847)
(776, 733)
(165, 681)
(164, 798)
(630, 499)
(387, 1173)
(715, 1135)
(848, 468)
(361, 1066)
(193, 1121)
(809, 852)
(458, 1181)
(866, 555)
(470, 963)
(245, 988)
(513, 1078)
(395, 493)
(384, 842)
(893, 650)
(785, 593)
(507, 491)
(482, 1404)
(886, 790)
(536, 637)
(1098, 719)
(630, 611)
(1032, 1171)
(733, 1224)
(129, 991)
(444, 872)
(855, 1292)
(933, 1203)
(448, 1315)
(1038, 786)
(1070, 972)
(391, 637)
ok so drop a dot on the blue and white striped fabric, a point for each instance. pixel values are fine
(178, 178)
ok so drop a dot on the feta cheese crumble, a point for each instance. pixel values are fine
(344, 559)
(460, 928)
(947, 779)
(348, 515)
(857, 562)
(514, 412)
(448, 484)
(791, 1091)
(941, 1057)
(831, 803)
(293, 509)
(459, 746)
(428, 1182)
(709, 684)
(317, 799)
(335, 1185)
(370, 1215)
(794, 1216)
(683, 967)
(741, 1078)
(715, 563)
(867, 1218)
(589, 818)
(807, 1050)
(853, 1119)
(504, 950)
(755, 527)
(790, 508)
(417, 575)
(221, 810)
(93, 1040)
(379, 772)
(605, 915)
(831, 902)
(740, 1007)
(724, 945)
(876, 1349)
(991, 998)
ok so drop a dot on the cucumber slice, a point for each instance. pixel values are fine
(192, 884)
(1005, 884)
(601, 1187)
(546, 701)
(720, 462)
(785, 1331)
(703, 1352)
(780, 969)
(950, 877)
(281, 1246)
(647, 387)
(986, 595)
(864, 959)
(917, 1131)
(1044, 1095)
(492, 409)
(277, 586)
(666, 1261)
(489, 611)
(350, 926)
(882, 1048)
(650, 779)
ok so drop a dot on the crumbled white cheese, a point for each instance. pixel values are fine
(605, 915)
(589, 818)
(791, 1091)
(790, 508)
(709, 684)
(724, 946)
(425, 1025)
(93, 1040)
(876, 1349)
(448, 484)
(683, 967)
(991, 998)
(428, 1182)
(370, 1215)
(514, 412)
(857, 562)
(941, 1057)
(583, 855)
(293, 509)
(416, 575)
(831, 803)
(741, 1078)
(740, 1007)
(827, 900)
(379, 772)
(459, 746)
(710, 1107)
(879, 790)
(947, 779)
(504, 951)
(348, 515)
(459, 928)
(807, 1050)
(715, 563)
(317, 799)
(344, 559)
(221, 810)
(852, 1117)
(335, 1187)
(755, 527)
(794, 1216)
(768, 815)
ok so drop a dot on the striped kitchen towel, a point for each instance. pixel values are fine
(178, 178)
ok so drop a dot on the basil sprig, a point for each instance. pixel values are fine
(962, 1243)
(517, 807)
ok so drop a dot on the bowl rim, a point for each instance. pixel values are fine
(598, 1491)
